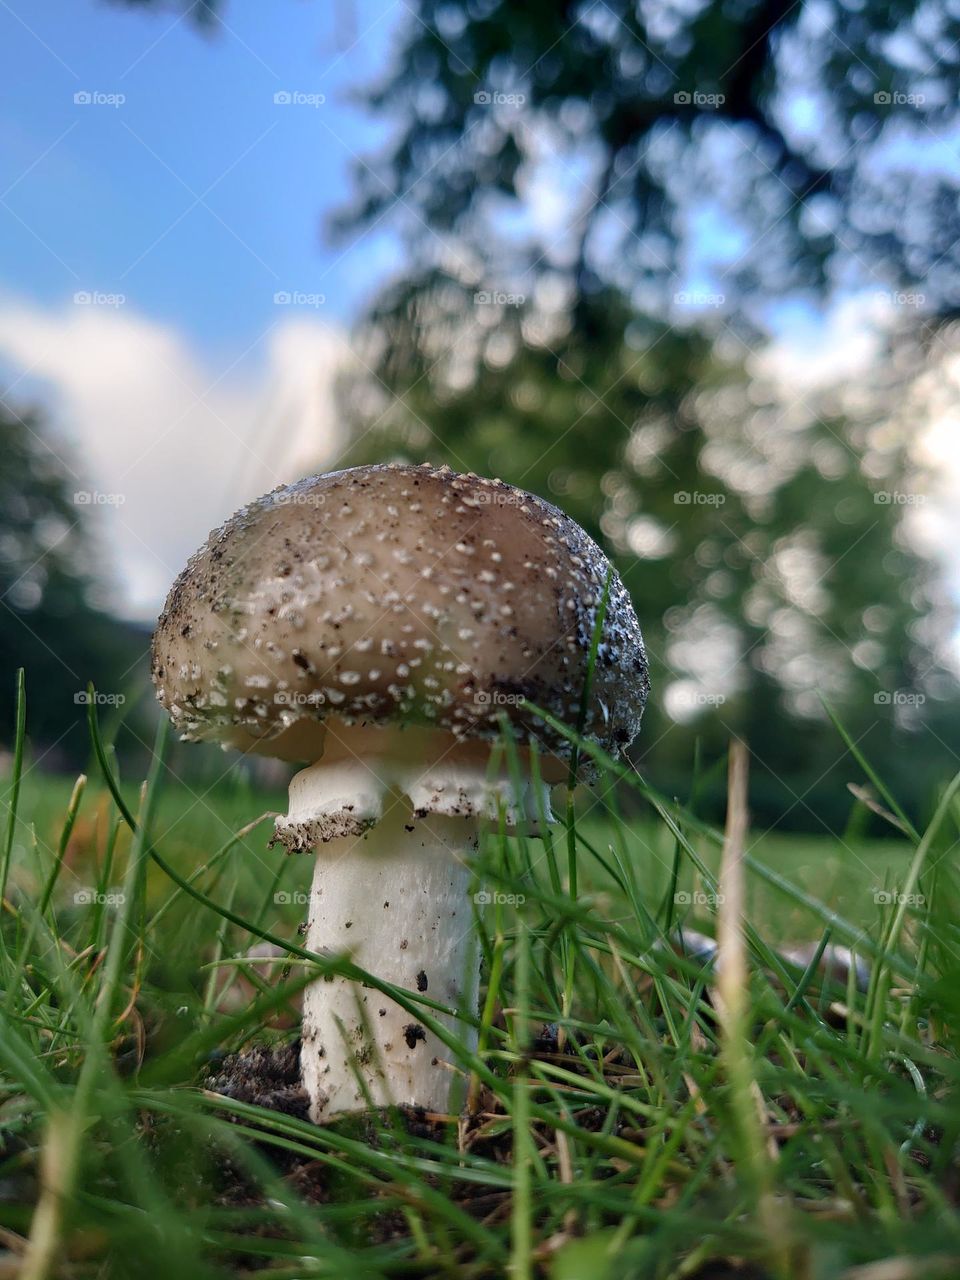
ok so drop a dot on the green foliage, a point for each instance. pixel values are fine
(602, 353)
(52, 619)
(612, 1150)
(775, 121)
(765, 571)
(605, 164)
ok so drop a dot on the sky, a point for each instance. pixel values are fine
(168, 294)
(167, 291)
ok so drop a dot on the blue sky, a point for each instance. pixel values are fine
(146, 232)
(148, 227)
(198, 197)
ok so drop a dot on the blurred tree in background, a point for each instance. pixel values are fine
(778, 145)
(603, 204)
(606, 208)
(53, 617)
(767, 565)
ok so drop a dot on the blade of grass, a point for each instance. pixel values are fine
(732, 988)
(62, 1147)
(521, 1230)
(16, 778)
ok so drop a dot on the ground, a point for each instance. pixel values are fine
(624, 1122)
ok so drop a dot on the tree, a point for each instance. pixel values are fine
(52, 616)
(759, 148)
(767, 566)
(599, 201)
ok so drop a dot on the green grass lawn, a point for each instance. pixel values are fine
(193, 821)
(810, 1131)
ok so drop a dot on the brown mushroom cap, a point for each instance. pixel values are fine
(396, 595)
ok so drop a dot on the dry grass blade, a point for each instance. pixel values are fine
(933, 1267)
(756, 1150)
(731, 950)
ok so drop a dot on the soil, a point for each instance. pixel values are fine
(268, 1076)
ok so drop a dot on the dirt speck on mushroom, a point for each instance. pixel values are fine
(413, 1033)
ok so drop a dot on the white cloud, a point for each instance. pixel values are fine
(812, 350)
(181, 440)
(816, 352)
(936, 517)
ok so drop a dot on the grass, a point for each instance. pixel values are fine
(629, 1120)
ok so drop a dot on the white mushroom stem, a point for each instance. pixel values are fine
(393, 838)
(397, 902)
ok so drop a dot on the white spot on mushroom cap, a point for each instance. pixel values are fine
(294, 594)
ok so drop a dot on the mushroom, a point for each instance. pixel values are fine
(376, 624)
(834, 964)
